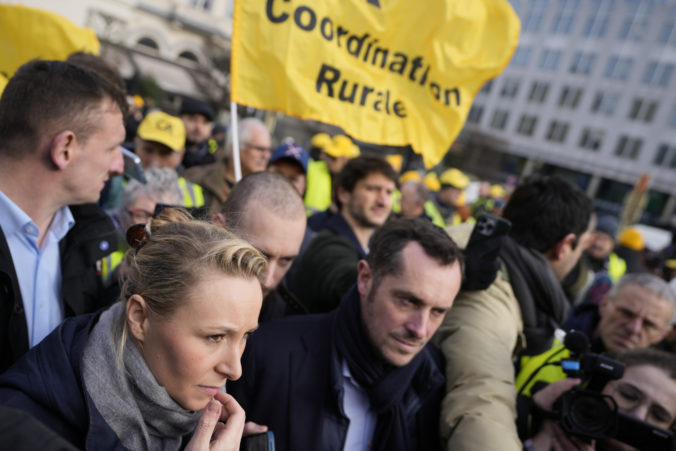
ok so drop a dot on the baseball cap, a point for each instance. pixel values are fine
(455, 178)
(164, 129)
(291, 151)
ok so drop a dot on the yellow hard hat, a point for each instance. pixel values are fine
(138, 101)
(497, 191)
(631, 237)
(431, 181)
(455, 178)
(321, 140)
(410, 176)
(342, 146)
(164, 129)
(395, 161)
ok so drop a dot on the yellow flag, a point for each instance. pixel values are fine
(391, 72)
(27, 33)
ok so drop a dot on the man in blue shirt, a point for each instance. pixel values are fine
(60, 134)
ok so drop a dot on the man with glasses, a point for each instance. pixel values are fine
(217, 179)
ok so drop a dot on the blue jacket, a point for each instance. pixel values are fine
(47, 383)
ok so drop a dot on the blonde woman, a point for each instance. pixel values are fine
(148, 372)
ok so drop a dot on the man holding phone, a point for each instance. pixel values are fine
(489, 328)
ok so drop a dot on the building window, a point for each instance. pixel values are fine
(522, 56)
(549, 59)
(570, 97)
(475, 114)
(628, 147)
(672, 118)
(591, 139)
(667, 35)
(658, 74)
(597, 23)
(499, 120)
(557, 131)
(538, 92)
(642, 110)
(565, 16)
(148, 43)
(486, 88)
(532, 23)
(637, 20)
(618, 68)
(582, 63)
(665, 156)
(510, 87)
(202, 4)
(188, 55)
(605, 102)
(527, 125)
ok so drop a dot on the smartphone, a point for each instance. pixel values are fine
(132, 166)
(258, 442)
(488, 226)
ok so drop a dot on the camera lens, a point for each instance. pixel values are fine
(591, 414)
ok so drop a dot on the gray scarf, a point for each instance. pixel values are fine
(134, 405)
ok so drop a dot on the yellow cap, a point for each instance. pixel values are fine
(164, 129)
(395, 161)
(455, 178)
(497, 191)
(431, 181)
(410, 176)
(342, 146)
(321, 140)
(631, 237)
(138, 101)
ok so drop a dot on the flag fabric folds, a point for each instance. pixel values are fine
(391, 72)
(27, 33)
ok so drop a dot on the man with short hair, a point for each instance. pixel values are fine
(327, 268)
(636, 313)
(198, 117)
(413, 198)
(217, 179)
(362, 376)
(160, 143)
(266, 210)
(517, 313)
(61, 127)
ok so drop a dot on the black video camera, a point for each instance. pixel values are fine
(585, 412)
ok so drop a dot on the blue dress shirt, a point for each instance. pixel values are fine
(357, 408)
(38, 269)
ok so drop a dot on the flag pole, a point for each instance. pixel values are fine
(235, 141)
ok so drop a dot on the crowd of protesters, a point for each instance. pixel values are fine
(379, 311)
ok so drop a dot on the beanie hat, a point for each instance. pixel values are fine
(608, 225)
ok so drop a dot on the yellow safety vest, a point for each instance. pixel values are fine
(110, 262)
(193, 196)
(546, 373)
(432, 211)
(616, 267)
(318, 192)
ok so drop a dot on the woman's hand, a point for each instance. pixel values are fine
(220, 427)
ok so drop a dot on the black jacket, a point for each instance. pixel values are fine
(290, 383)
(92, 237)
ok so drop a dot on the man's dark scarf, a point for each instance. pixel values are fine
(385, 385)
(544, 305)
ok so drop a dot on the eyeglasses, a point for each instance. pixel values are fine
(259, 148)
(139, 214)
(628, 398)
